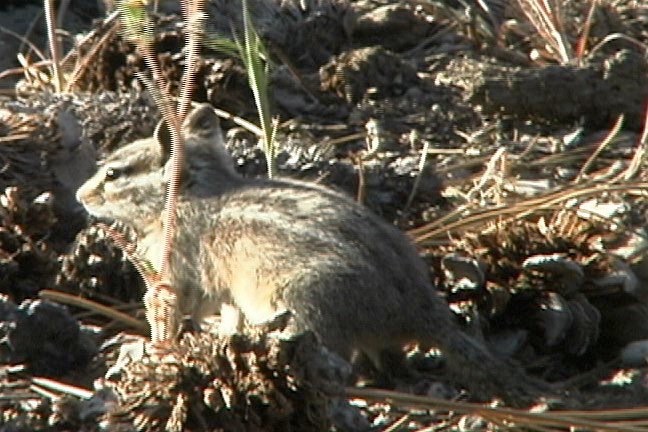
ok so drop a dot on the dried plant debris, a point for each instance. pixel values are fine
(46, 339)
(23, 28)
(51, 143)
(96, 268)
(285, 26)
(26, 139)
(258, 382)
(8, 316)
(406, 25)
(105, 120)
(254, 381)
(555, 292)
(353, 73)
(361, 89)
(307, 32)
(607, 21)
(29, 413)
(27, 262)
(304, 34)
(111, 63)
(617, 85)
(27, 410)
(556, 324)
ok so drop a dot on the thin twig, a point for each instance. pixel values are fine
(89, 36)
(54, 45)
(514, 417)
(639, 154)
(194, 18)
(614, 36)
(606, 141)
(582, 41)
(24, 40)
(523, 208)
(417, 180)
(489, 172)
(397, 424)
(61, 387)
(72, 300)
(362, 192)
(85, 61)
(546, 17)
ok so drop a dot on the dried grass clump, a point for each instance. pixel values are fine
(27, 262)
(237, 383)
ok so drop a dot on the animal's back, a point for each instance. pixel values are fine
(276, 245)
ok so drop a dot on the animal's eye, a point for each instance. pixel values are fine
(113, 173)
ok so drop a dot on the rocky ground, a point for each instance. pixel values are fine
(513, 154)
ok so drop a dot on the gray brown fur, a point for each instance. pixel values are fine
(271, 245)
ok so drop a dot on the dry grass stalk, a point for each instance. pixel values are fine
(160, 297)
(582, 41)
(59, 388)
(514, 419)
(194, 18)
(83, 63)
(547, 18)
(458, 221)
(74, 300)
(639, 154)
(606, 141)
(54, 45)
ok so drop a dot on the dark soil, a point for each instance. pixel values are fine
(516, 169)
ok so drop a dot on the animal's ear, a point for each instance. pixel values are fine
(202, 121)
(162, 135)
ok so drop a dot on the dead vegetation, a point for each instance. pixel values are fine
(531, 207)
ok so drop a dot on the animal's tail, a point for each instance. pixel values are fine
(486, 375)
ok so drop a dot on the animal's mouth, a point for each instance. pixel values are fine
(94, 219)
(94, 209)
(90, 207)
(89, 200)
(83, 198)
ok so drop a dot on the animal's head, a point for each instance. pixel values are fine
(130, 184)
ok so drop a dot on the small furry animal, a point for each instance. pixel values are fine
(267, 246)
